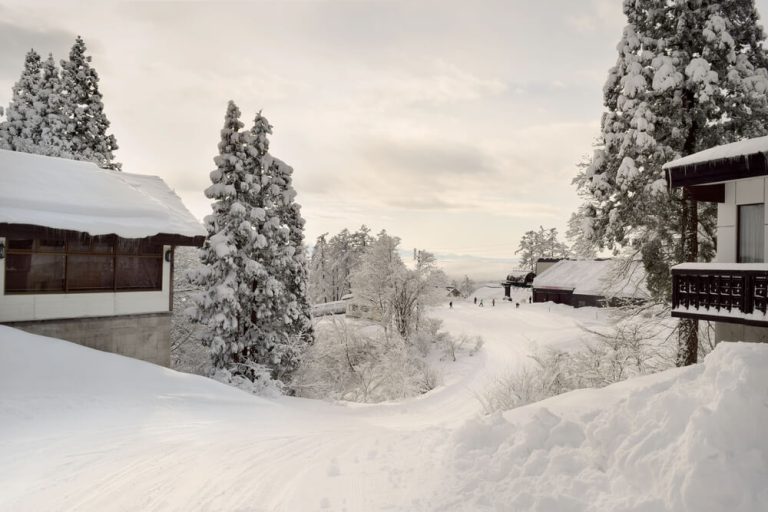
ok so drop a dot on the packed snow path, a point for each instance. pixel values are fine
(85, 430)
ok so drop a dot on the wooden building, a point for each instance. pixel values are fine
(732, 291)
(86, 254)
(596, 283)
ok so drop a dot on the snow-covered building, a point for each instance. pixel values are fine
(86, 254)
(732, 290)
(580, 283)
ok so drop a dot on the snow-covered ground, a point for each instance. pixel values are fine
(86, 430)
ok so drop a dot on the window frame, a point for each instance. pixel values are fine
(738, 233)
(141, 251)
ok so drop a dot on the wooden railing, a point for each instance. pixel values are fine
(723, 294)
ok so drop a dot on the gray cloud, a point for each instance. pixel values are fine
(429, 159)
(16, 41)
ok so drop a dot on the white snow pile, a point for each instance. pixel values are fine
(733, 150)
(87, 430)
(610, 278)
(79, 196)
(690, 439)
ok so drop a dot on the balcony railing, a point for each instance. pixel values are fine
(725, 292)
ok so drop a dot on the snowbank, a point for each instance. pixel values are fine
(87, 430)
(78, 196)
(690, 439)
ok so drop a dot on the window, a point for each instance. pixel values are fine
(751, 233)
(89, 264)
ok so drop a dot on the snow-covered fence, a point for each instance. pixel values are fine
(337, 307)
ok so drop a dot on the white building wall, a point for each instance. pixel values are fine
(738, 192)
(23, 307)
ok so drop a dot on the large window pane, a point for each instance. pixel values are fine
(82, 265)
(86, 272)
(751, 233)
(34, 273)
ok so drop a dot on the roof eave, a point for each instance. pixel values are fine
(29, 230)
(717, 171)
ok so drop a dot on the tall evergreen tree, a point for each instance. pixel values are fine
(256, 323)
(295, 272)
(275, 309)
(82, 106)
(319, 272)
(227, 266)
(20, 131)
(53, 139)
(690, 75)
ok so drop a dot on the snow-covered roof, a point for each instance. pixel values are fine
(79, 196)
(734, 150)
(607, 278)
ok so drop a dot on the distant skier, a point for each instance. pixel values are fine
(493, 302)
(450, 305)
(475, 300)
(517, 305)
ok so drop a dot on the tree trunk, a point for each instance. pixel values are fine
(688, 328)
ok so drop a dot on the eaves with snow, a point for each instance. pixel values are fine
(71, 195)
(744, 159)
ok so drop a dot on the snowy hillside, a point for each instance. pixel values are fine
(86, 430)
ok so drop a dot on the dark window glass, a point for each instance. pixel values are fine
(91, 265)
(34, 272)
(87, 272)
(139, 273)
(101, 245)
(79, 246)
(50, 246)
(751, 233)
(22, 245)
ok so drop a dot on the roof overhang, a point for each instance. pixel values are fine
(32, 231)
(716, 170)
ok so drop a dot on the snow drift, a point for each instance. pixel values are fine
(690, 439)
(87, 430)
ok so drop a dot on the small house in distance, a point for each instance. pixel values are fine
(86, 254)
(580, 283)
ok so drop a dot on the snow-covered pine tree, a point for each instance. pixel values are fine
(319, 272)
(274, 311)
(690, 75)
(82, 106)
(581, 246)
(295, 272)
(21, 129)
(53, 125)
(222, 278)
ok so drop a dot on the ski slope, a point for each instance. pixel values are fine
(86, 430)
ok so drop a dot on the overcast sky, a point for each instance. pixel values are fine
(455, 125)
